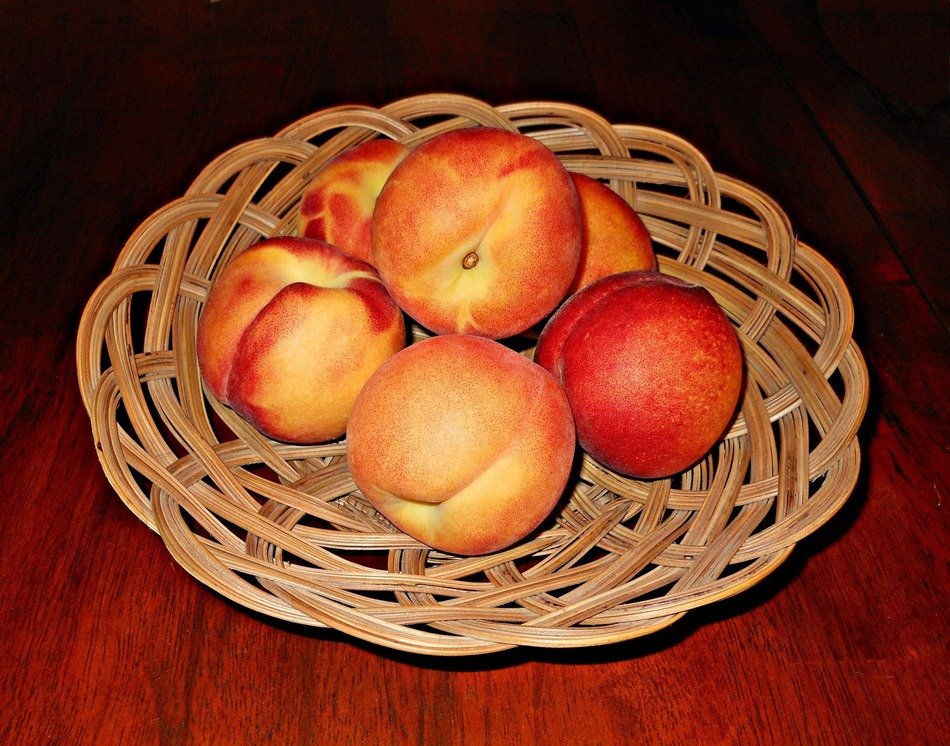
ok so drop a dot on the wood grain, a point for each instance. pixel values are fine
(111, 110)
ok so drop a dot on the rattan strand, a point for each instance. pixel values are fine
(283, 529)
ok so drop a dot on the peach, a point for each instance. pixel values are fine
(338, 205)
(462, 443)
(478, 231)
(289, 333)
(652, 369)
(615, 238)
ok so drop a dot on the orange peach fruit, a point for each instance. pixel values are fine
(652, 369)
(462, 443)
(478, 231)
(338, 205)
(615, 238)
(290, 331)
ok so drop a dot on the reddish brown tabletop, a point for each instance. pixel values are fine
(838, 111)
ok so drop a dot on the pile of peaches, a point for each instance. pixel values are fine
(478, 235)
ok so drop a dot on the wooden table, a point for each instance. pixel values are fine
(837, 111)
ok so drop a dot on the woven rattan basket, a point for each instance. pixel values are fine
(283, 529)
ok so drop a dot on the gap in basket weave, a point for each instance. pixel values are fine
(795, 342)
(324, 136)
(435, 120)
(651, 590)
(280, 190)
(838, 385)
(220, 429)
(732, 206)
(699, 484)
(370, 559)
(653, 184)
(662, 249)
(801, 282)
(227, 182)
(157, 250)
(250, 579)
(290, 520)
(139, 306)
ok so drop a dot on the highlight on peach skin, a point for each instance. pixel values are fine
(339, 203)
(462, 443)
(478, 231)
(615, 238)
(652, 368)
(290, 331)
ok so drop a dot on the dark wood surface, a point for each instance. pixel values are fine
(838, 110)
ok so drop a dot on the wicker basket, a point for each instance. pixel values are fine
(283, 529)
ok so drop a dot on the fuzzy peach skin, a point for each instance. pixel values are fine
(291, 330)
(652, 369)
(615, 238)
(338, 205)
(462, 443)
(478, 231)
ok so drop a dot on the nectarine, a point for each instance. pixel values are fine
(652, 369)
(290, 332)
(462, 443)
(478, 231)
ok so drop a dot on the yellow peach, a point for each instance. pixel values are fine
(478, 231)
(338, 205)
(615, 238)
(462, 443)
(290, 331)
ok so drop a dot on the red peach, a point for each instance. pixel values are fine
(462, 443)
(478, 231)
(290, 331)
(652, 368)
(338, 205)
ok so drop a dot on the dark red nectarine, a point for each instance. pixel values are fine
(652, 369)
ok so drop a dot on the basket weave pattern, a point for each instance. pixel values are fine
(283, 529)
